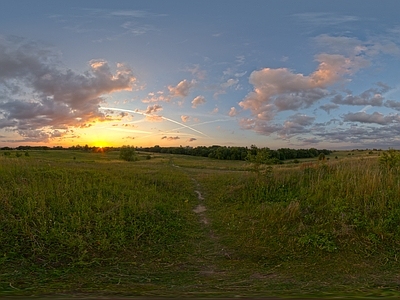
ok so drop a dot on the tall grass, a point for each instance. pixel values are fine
(350, 208)
(68, 213)
(71, 217)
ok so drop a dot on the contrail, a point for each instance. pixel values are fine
(198, 124)
(149, 115)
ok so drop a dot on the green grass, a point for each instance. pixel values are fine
(76, 223)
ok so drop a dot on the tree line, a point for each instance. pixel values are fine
(241, 153)
(263, 155)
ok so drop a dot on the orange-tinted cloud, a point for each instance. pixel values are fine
(198, 101)
(232, 112)
(62, 98)
(281, 89)
(153, 109)
(181, 89)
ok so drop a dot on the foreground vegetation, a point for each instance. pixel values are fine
(75, 223)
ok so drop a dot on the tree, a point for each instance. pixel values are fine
(128, 153)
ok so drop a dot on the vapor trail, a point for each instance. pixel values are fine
(198, 124)
(149, 115)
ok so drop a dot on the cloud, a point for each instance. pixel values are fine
(259, 126)
(135, 14)
(154, 118)
(301, 119)
(328, 107)
(308, 141)
(192, 140)
(181, 89)
(153, 109)
(170, 138)
(354, 47)
(156, 97)
(371, 137)
(372, 96)
(232, 112)
(198, 101)
(57, 98)
(137, 29)
(198, 72)
(230, 82)
(277, 85)
(296, 124)
(393, 104)
(376, 117)
(224, 86)
(325, 19)
(340, 44)
(184, 119)
(277, 90)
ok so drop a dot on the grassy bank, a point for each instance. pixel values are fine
(74, 222)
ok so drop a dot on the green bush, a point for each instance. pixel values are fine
(390, 159)
(128, 153)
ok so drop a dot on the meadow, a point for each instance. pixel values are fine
(88, 224)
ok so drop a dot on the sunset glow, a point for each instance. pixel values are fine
(235, 73)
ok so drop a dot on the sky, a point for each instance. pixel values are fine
(277, 73)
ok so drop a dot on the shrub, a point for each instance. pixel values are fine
(390, 159)
(128, 153)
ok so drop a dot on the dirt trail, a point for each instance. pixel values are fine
(200, 209)
(215, 247)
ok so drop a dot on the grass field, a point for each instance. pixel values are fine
(76, 223)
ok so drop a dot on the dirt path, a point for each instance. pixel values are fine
(216, 249)
(200, 209)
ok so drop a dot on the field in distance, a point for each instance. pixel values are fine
(75, 223)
